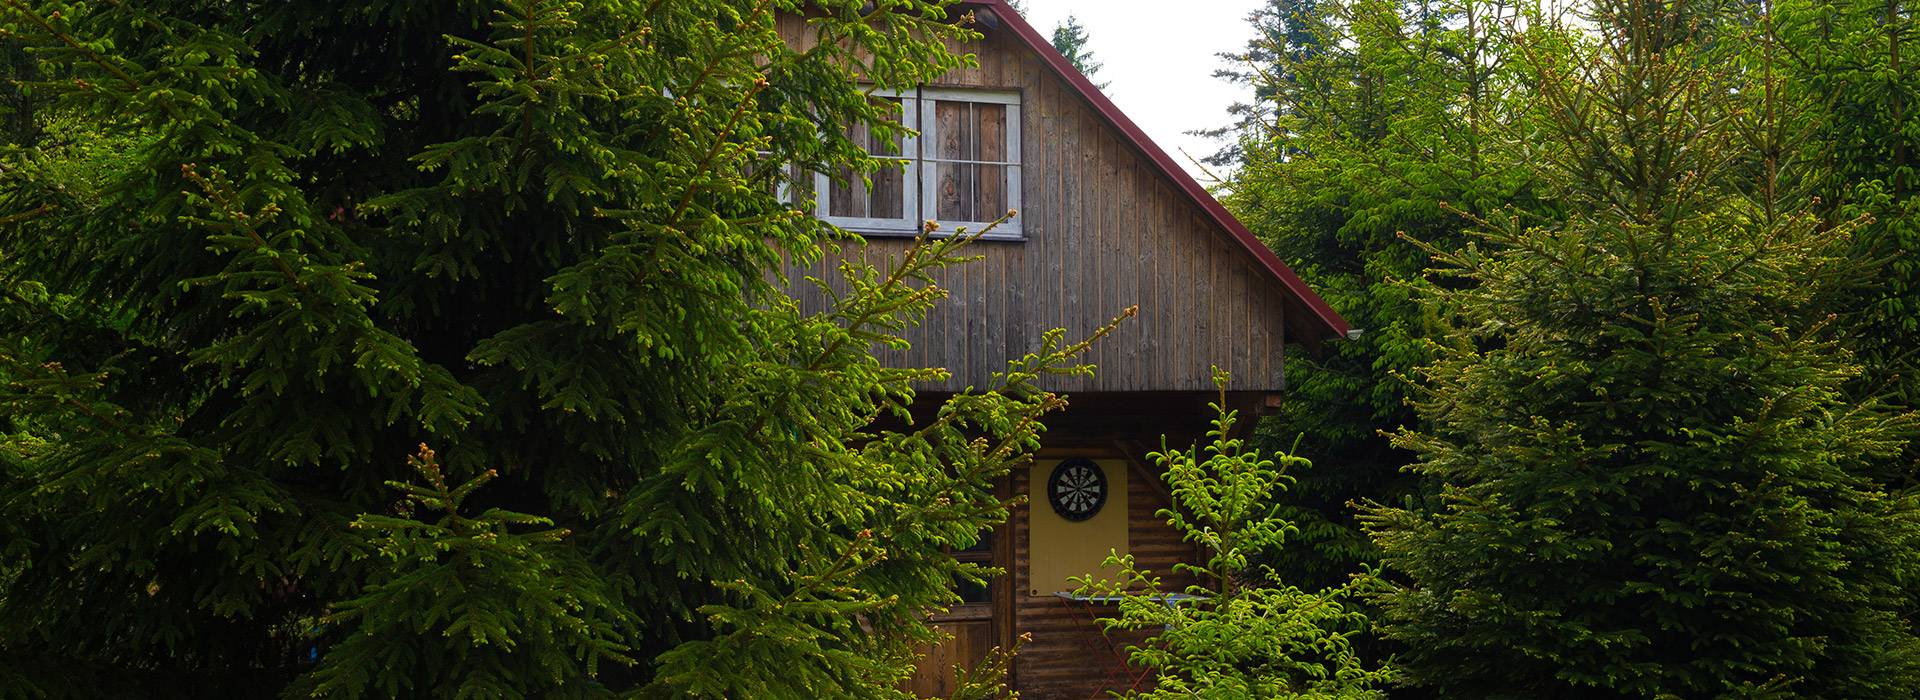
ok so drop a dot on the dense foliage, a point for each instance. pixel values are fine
(1842, 63)
(1656, 481)
(436, 349)
(1374, 119)
(1240, 631)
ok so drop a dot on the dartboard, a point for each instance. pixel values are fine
(1077, 489)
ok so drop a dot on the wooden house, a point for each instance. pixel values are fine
(1106, 220)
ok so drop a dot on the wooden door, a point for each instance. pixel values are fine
(975, 625)
(933, 675)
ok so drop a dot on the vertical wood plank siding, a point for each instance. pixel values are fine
(1103, 231)
(1069, 657)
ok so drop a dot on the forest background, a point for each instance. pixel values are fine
(1389, 138)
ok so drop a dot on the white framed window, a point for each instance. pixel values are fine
(962, 171)
(889, 204)
(970, 158)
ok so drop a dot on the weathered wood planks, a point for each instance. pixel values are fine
(1103, 230)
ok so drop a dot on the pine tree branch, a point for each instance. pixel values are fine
(28, 215)
(245, 223)
(713, 152)
(21, 7)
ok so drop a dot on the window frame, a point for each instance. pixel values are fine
(920, 182)
(909, 154)
(930, 183)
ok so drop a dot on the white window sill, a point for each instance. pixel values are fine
(998, 234)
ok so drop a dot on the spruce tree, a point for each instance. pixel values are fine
(1070, 39)
(1654, 482)
(437, 349)
(1372, 116)
(1287, 34)
(1240, 631)
(1853, 62)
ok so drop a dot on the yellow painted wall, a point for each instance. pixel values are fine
(1058, 547)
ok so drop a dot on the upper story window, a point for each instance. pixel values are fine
(962, 171)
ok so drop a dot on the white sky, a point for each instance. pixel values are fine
(1159, 62)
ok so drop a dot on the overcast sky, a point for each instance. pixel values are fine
(1159, 61)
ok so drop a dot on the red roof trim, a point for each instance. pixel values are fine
(1336, 327)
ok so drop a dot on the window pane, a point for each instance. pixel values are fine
(971, 192)
(848, 196)
(882, 145)
(990, 123)
(955, 124)
(841, 194)
(970, 175)
(990, 192)
(888, 192)
(956, 192)
(971, 592)
(875, 143)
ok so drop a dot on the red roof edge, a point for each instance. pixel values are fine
(1323, 315)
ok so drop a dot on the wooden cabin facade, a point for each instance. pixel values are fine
(1106, 220)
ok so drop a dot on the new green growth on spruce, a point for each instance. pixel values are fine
(1853, 63)
(434, 349)
(1239, 631)
(1653, 483)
